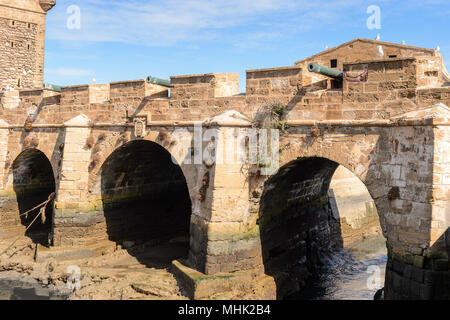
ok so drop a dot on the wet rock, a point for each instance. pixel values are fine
(160, 284)
(128, 244)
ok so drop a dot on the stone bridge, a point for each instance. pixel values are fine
(127, 162)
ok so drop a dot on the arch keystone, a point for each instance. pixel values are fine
(438, 112)
(229, 118)
(79, 121)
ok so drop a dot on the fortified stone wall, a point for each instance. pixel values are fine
(390, 130)
(358, 50)
(399, 185)
(394, 86)
(19, 54)
(22, 37)
(364, 49)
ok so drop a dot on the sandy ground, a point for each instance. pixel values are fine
(141, 272)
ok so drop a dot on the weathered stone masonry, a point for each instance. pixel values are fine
(22, 38)
(392, 131)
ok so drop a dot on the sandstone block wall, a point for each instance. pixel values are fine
(390, 131)
(22, 37)
(361, 49)
(276, 85)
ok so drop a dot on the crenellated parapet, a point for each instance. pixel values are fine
(112, 147)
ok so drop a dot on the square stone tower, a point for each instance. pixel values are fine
(22, 40)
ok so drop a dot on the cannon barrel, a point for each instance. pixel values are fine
(328, 72)
(51, 87)
(158, 81)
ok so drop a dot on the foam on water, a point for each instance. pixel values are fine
(349, 274)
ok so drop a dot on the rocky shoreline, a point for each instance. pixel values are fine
(115, 276)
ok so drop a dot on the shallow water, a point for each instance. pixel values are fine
(19, 290)
(344, 276)
(355, 273)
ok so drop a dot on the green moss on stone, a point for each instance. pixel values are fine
(197, 279)
(274, 215)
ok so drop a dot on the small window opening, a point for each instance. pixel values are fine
(333, 63)
(336, 84)
(12, 44)
(392, 56)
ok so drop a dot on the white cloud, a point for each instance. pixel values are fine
(168, 22)
(69, 72)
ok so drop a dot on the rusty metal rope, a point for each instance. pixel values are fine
(50, 198)
(361, 77)
(41, 212)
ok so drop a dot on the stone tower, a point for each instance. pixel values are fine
(22, 40)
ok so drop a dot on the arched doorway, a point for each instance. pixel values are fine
(302, 234)
(33, 183)
(146, 202)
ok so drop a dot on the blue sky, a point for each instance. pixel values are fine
(125, 40)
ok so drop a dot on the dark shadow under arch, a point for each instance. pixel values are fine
(296, 223)
(33, 182)
(146, 201)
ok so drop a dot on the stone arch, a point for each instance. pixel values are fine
(47, 150)
(362, 160)
(33, 180)
(295, 221)
(145, 197)
(106, 142)
(48, 141)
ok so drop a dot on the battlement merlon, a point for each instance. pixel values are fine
(392, 86)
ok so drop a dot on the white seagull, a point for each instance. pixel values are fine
(378, 37)
(380, 51)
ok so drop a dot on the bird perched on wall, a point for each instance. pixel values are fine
(438, 48)
(378, 37)
(380, 51)
(403, 42)
(326, 47)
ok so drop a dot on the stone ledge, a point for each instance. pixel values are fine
(74, 253)
(274, 69)
(199, 286)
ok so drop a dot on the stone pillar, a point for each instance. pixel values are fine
(72, 186)
(421, 269)
(8, 216)
(4, 134)
(222, 237)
